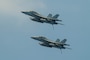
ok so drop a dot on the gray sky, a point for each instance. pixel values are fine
(16, 29)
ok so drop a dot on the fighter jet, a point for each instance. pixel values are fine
(48, 43)
(39, 18)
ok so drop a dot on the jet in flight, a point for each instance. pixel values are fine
(48, 43)
(39, 18)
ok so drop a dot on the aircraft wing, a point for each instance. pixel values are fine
(42, 39)
(40, 16)
(48, 41)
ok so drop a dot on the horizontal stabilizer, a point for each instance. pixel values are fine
(60, 23)
(67, 44)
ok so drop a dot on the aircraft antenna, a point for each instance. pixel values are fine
(61, 51)
(53, 26)
(68, 48)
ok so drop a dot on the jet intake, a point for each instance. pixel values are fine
(32, 18)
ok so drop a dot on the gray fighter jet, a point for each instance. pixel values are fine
(39, 18)
(48, 43)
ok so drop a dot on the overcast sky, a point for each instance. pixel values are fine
(16, 29)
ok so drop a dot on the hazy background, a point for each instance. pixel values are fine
(16, 29)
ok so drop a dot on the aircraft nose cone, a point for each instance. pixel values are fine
(26, 12)
(22, 11)
(33, 37)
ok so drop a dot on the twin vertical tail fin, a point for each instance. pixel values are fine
(64, 42)
(49, 15)
(56, 16)
(58, 40)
